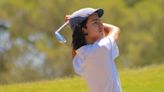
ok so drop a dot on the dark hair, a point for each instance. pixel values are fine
(78, 36)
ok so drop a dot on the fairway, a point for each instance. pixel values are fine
(148, 79)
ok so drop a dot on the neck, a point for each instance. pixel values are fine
(89, 41)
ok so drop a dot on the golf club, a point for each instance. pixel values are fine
(58, 35)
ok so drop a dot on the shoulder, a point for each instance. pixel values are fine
(84, 49)
(87, 49)
(104, 43)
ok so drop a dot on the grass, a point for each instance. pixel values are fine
(148, 79)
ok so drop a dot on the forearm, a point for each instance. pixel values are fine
(111, 30)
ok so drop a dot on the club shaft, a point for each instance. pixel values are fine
(62, 26)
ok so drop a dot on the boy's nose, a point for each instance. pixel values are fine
(100, 25)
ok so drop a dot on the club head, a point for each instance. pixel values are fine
(60, 37)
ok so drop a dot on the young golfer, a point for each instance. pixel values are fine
(94, 50)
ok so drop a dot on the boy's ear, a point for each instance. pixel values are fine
(85, 31)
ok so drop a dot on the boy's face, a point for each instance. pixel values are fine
(94, 28)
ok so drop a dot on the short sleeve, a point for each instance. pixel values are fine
(109, 43)
(115, 50)
(77, 64)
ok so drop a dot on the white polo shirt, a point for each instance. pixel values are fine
(95, 62)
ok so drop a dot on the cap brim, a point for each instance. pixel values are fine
(100, 12)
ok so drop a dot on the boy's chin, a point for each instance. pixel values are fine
(102, 35)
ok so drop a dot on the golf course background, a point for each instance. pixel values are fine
(148, 79)
(32, 59)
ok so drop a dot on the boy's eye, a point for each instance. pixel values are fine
(95, 22)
